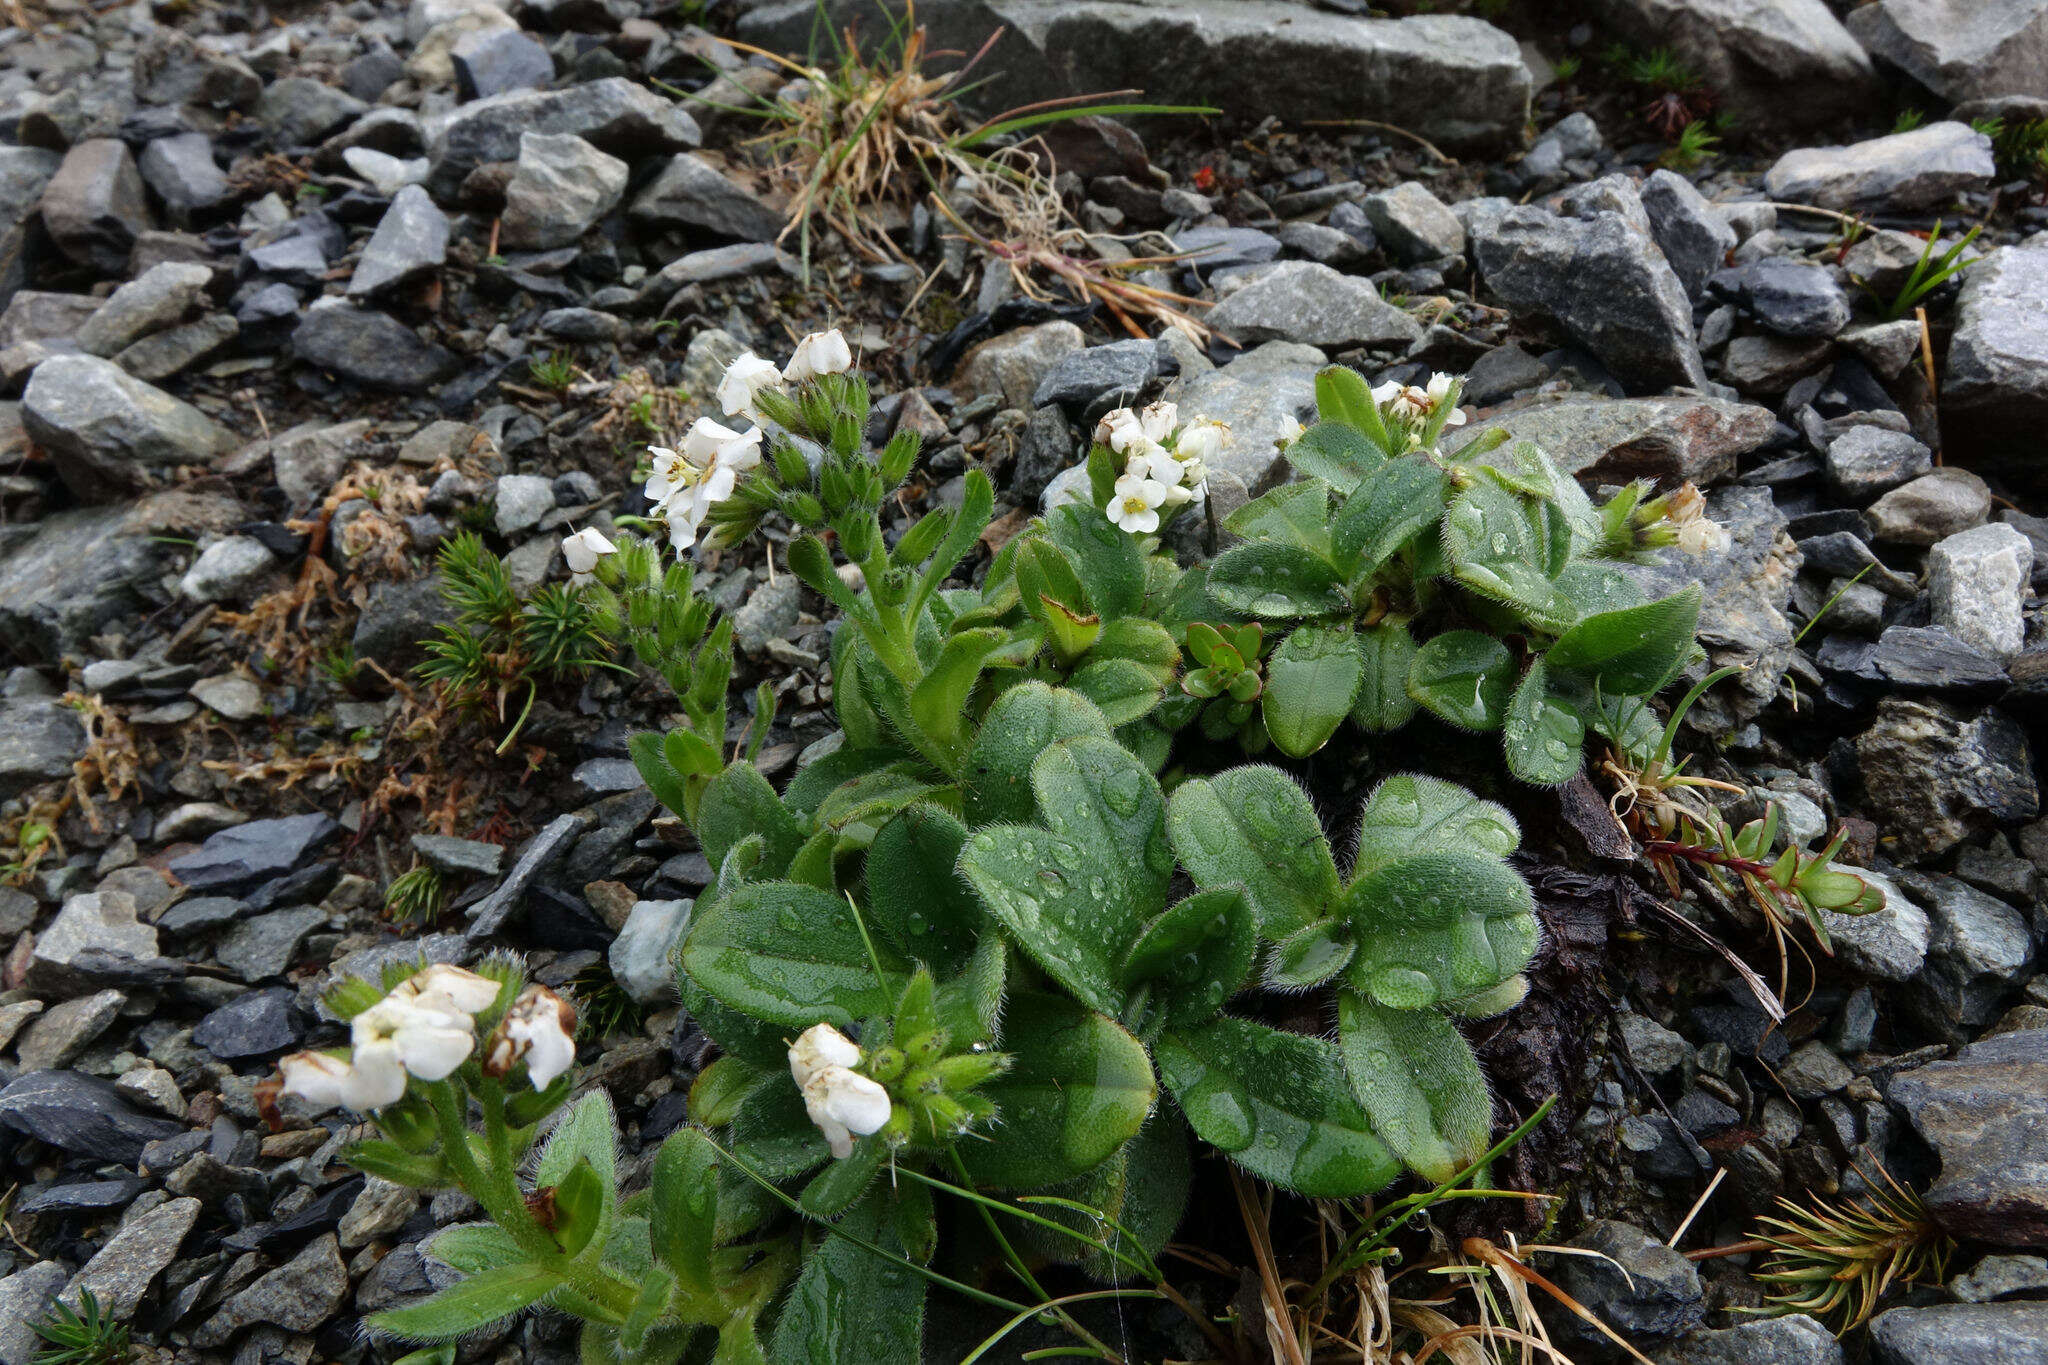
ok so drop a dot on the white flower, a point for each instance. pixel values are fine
(1439, 392)
(1106, 426)
(668, 472)
(744, 379)
(1383, 394)
(540, 1027)
(818, 1047)
(1134, 506)
(1200, 441)
(1159, 420)
(325, 1081)
(1178, 496)
(584, 549)
(684, 520)
(1156, 463)
(427, 1042)
(449, 989)
(819, 353)
(705, 438)
(1703, 537)
(842, 1102)
(1291, 430)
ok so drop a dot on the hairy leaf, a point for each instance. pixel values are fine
(1389, 508)
(791, 955)
(1275, 579)
(1024, 722)
(1465, 678)
(1310, 682)
(1386, 656)
(1634, 650)
(1418, 1079)
(469, 1305)
(1078, 1089)
(1296, 513)
(915, 897)
(1411, 814)
(1196, 954)
(1545, 738)
(1440, 926)
(1254, 827)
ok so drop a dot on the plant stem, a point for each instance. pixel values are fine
(1022, 1271)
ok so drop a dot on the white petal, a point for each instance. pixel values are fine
(1160, 419)
(701, 442)
(373, 1082)
(314, 1077)
(818, 1047)
(455, 989)
(855, 1100)
(432, 1050)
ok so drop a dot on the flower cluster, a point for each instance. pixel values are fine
(840, 1100)
(685, 484)
(425, 1028)
(1412, 407)
(1165, 462)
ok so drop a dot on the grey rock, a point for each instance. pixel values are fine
(300, 258)
(172, 68)
(266, 946)
(461, 856)
(1961, 49)
(1793, 1340)
(1887, 347)
(1754, 53)
(411, 240)
(1612, 440)
(1090, 382)
(1934, 775)
(736, 261)
(1933, 507)
(308, 458)
(226, 569)
(1638, 323)
(152, 301)
(39, 741)
(1977, 957)
(553, 840)
(520, 501)
(1652, 1047)
(1766, 366)
(1615, 194)
(262, 850)
(1017, 362)
(1961, 1334)
(1637, 1285)
(613, 114)
(252, 1025)
(769, 611)
(397, 621)
(1812, 1071)
(105, 430)
(1414, 224)
(1977, 582)
(583, 325)
(1317, 242)
(561, 187)
(298, 1296)
(1262, 396)
(300, 111)
(1985, 1113)
(1921, 169)
(379, 1211)
(371, 348)
(693, 192)
(91, 927)
(24, 171)
(1311, 304)
(1995, 394)
(141, 1249)
(25, 1299)
(1785, 297)
(642, 957)
(1998, 1277)
(1867, 461)
(83, 568)
(1456, 81)
(94, 206)
(178, 348)
(1046, 448)
(499, 61)
(182, 171)
(81, 1114)
(1211, 251)
(65, 1030)
(1694, 238)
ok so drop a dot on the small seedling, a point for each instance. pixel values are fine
(1929, 273)
(416, 896)
(554, 373)
(84, 1336)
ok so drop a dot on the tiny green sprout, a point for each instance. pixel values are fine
(81, 1336)
(416, 896)
(555, 372)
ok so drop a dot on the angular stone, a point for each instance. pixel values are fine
(1995, 395)
(1976, 959)
(91, 927)
(252, 1025)
(1638, 323)
(398, 620)
(65, 1030)
(499, 61)
(642, 957)
(1890, 943)
(107, 431)
(562, 186)
(122, 1270)
(25, 1300)
(1311, 304)
(371, 348)
(168, 352)
(94, 206)
(1961, 49)
(298, 1296)
(521, 500)
(1693, 236)
(1960, 1334)
(411, 240)
(488, 915)
(694, 193)
(1985, 1113)
(1612, 440)
(1977, 581)
(24, 171)
(1931, 508)
(613, 114)
(225, 568)
(1864, 462)
(182, 171)
(1766, 366)
(1998, 1277)
(1090, 382)
(171, 68)
(300, 111)
(1262, 396)
(39, 741)
(249, 854)
(1785, 297)
(1897, 173)
(1934, 775)
(1794, 1340)
(1637, 1285)
(1414, 224)
(1015, 363)
(266, 946)
(81, 1114)
(150, 302)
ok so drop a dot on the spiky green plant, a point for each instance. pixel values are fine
(81, 1336)
(554, 372)
(416, 896)
(1837, 1261)
(1929, 273)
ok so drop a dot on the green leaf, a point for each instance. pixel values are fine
(579, 1207)
(1273, 579)
(1294, 513)
(1337, 454)
(682, 1207)
(1074, 894)
(1393, 504)
(915, 896)
(976, 503)
(650, 758)
(470, 1305)
(939, 702)
(1024, 722)
(1504, 546)
(1078, 1089)
(1464, 677)
(1255, 827)
(388, 1161)
(739, 802)
(773, 1135)
(1634, 650)
(1122, 689)
(1410, 814)
(1310, 956)
(1545, 738)
(1439, 926)
(1310, 682)
(1108, 561)
(1386, 656)
(849, 1306)
(587, 1134)
(1342, 395)
(791, 955)
(1277, 1104)
(833, 1190)
(1588, 586)
(1196, 954)
(474, 1248)
(1141, 641)
(1046, 575)
(1417, 1078)
(809, 788)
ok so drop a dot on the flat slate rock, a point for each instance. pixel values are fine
(81, 1114)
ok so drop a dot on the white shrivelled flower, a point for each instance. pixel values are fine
(325, 1081)
(818, 1047)
(582, 550)
(428, 1043)
(1134, 506)
(744, 380)
(819, 353)
(1200, 441)
(1159, 420)
(539, 1028)
(448, 988)
(843, 1103)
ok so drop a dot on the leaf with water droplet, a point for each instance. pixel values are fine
(1411, 813)
(1439, 926)
(1544, 738)
(741, 952)
(1419, 1080)
(1206, 941)
(1255, 827)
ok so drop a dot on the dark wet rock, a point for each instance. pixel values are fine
(1921, 169)
(1311, 304)
(1090, 382)
(397, 621)
(1639, 1286)
(1794, 1340)
(300, 111)
(1961, 1334)
(1639, 324)
(694, 193)
(256, 852)
(1995, 393)
(1691, 233)
(94, 207)
(264, 947)
(258, 1024)
(1977, 957)
(1613, 440)
(1932, 774)
(371, 348)
(1915, 659)
(182, 171)
(81, 1114)
(488, 915)
(1785, 296)
(1766, 365)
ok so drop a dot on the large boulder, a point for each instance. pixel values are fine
(1459, 82)
(1961, 49)
(1750, 52)
(107, 432)
(1897, 173)
(1995, 395)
